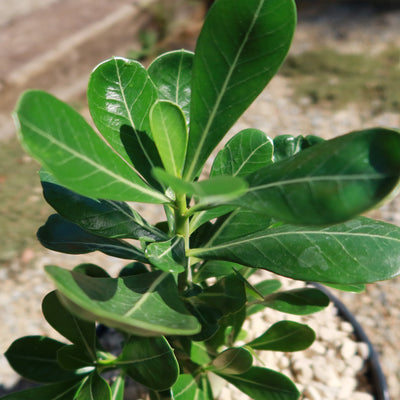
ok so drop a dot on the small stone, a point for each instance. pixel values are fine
(349, 384)
(363, 350)
(318, 347)
(356, 363)
(348, 349)
(311, 393)
(346, 327)
(362, 396)
(283, 362)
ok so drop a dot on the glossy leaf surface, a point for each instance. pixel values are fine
(187, 388)
(232, 361)
(170, 135)
(149, 361)
(95, 387)
(261, 383)
(330, 182)
(238, 51)
(108, 218)
(78, 331)
(169, 255)
(284, 336)
(286, 146)
(63, 236)
(73, 357)
(171, 73)
(35, 358)
(215, 268)
(66, 145)
(359, 251)
(246, 152)
(145, 304)
(118, 388)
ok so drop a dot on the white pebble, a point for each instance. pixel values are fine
(348, 386)
(363, 350)
(356, 363)
(362, 396)
(348, 349)
(311, 393)
(346, 327)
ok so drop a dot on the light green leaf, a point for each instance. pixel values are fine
(63, 236)
(232, 361)
(187, 388)
(347, 288)
(238, 51)
(246, 152)
(120, 95)
(329, 182)
(199, 353)
(149, 361)
(172, 74)
(359, 251)
(94, 388)
(144, 304)
(118, 388)
(66, 145)
(284, 336)
(261, 383)
(170, 135)
(169, 255)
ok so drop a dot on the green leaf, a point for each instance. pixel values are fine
(170, 135)
(215, 268)
(347, 288)
(261, 383)
(246, 152)
(329, 182)
(94, 388)
(66, 145)
(169, 255)
(149, 361)
(238, 51)
(35, 358)
(73, 357)
(302, 301)
(107, 218)
(232, 361)
(92, 270)
(120, 95)
(219, 189)
(201, 217)
(359, 251)
(284, 336)
(187, 388)
(56, 391)
(134, 268)
(265, 288)
(172, 74)
(145, 304)
(78, 331)
(286, 146)
(118, 388)
(63, 236)
(199, 353)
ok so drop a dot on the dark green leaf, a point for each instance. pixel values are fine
(215, 268)
(149, 361)
(74, 357)
(120, 95)
(35, 358)
(265, 288)
(78, 331)
(92, 270)
(168, 256)
(114, 219)
(246, 152)
(330, 182)
(145, 304)
(297, 301)
(232, 361)
(66, 237)
(134, 268)
(238, 51)
(172, 74)
(56, 391)
(359, 251)
(286, 146)
(118, 388)
(261, 383)
(201, 217)
(67, 146)
(94, 388)
(169, 129)
(284, 336)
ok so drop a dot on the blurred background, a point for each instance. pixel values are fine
(342, 74)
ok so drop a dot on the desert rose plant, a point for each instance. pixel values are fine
(290, 205)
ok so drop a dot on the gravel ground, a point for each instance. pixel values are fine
(24, 283)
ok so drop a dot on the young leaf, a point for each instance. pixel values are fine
(265, 288)
(232, 361)
(330, 182)
(118, 388)
(78, 331)
(65, 144)
(108, 218)
(261, 383)
(144, 304)
(35, 358)
(169, 255)
(63, 236)
(56, 391)
(149, 361)
(170, 135)
(95, 387)
(120, 95)
(187, 388)
(359, 251)
(73, 357)
(302, 301)
(284, 336)
(199, 353)
(238, 51)
(172, 74)
(246, 152)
